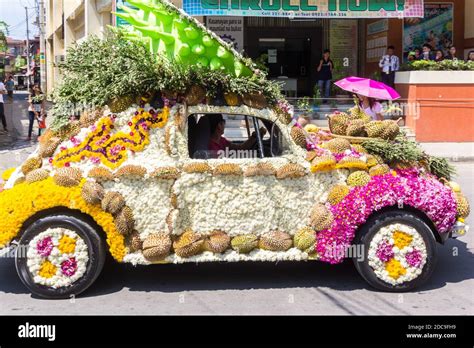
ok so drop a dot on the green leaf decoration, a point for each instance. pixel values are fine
(169, 31)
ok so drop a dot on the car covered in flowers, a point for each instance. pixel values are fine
(136, 178)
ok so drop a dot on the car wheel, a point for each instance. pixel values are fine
(399, 251)
(60, 256)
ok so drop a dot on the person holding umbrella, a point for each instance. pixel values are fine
(368, 92)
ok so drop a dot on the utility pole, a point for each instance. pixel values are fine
(27, 50)
(41, 20)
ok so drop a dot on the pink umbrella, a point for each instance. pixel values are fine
(368, 87)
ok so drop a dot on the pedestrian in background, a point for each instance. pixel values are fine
(10, 86)
(389, 63)
(325, 69)
(427, 53)
(470, 56)
(439, 56)
(36, 110)
(451, 53)
(417, 54)
(3, 91)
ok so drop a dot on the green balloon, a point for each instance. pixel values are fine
(202, 61)
(198, 49)
(207, 41)
(215, 63)
(184, 50)
(223, 53)
(191, 33)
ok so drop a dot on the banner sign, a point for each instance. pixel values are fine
(119, 22)
(435, 29)
(306, 8)
(230, 29)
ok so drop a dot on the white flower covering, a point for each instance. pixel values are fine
(292, 254)
(35, 260)
(386, 234)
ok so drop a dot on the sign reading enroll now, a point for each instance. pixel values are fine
(306, 8)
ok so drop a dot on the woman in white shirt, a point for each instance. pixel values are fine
(371, 107)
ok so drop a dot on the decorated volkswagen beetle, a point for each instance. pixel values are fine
(135, 175)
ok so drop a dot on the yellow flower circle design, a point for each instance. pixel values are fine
(47, 270)
(67, 245)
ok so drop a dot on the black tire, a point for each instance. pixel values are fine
(84, 228)
(368, 231)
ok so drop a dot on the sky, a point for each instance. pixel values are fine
(13, 13)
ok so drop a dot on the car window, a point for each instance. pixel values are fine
(233, 136)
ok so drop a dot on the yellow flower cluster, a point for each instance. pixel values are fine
(401, 239)
(394, 268)
(47, 270)
(24, 200)
(111, 148)
(7, 173)
(67, 245)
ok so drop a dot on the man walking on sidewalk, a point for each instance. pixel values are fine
(389, 64)
(2, 109)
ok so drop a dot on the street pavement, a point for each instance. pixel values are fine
(253, 288)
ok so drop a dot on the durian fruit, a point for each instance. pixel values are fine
(174, 200)
(134, 241)
(391, 130)
(358, 178)
(463, 207)
(311, 128)
(338, 123)
(323, 163)
(36, 175)
(356, 113)
(351, 162)
(92, 192)
(67, 176)
(216, 242)
(372, 161)
(113, 202)
(337, 193)
(124, 221)
(168, 146)
(298, 136)
(379, 169)
(305, 239)
(374, 129)
(320, 217)
(131, 171)
(255, 100)
(188, 244)
(311, 155)
(156, 246)
(47, 148)
(356, 128)
(338, 145)
(88, 117)
(69, 130)
(194, 95)
(232, 99)
(227, 169)
(19, 180)
(197, 167)
(100, 174)
(121, 103)
(275, 241)
(30, 164)
(261, 168)
(245, 243)
(291, 170)
(165, 173)
(359, 148)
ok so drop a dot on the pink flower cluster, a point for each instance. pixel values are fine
(45, 246)
(414, 258)
(384, 251)
(69, 267)
(409, 187)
